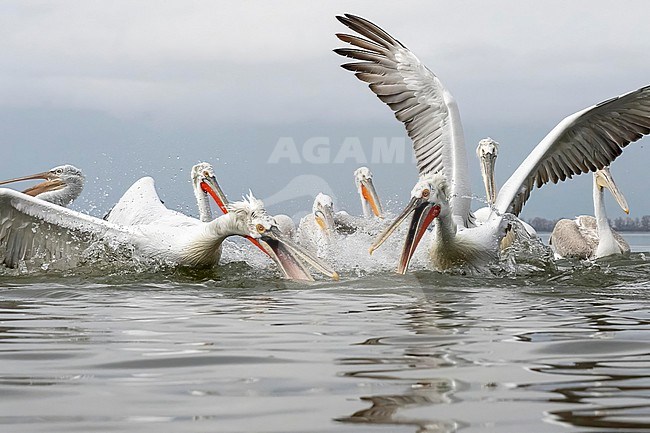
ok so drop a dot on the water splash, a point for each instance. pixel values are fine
(527, 262)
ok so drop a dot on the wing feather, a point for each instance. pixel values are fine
(418, 99)
(141, 204)
(33, 228)
(364, 44)
(585, 141)
(366, 55)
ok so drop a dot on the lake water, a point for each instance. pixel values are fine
(556, 349)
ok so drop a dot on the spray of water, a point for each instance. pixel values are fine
(346, 253)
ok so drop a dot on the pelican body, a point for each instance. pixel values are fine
(135, 206)
(34, 228)
(317, 228)
(31, 228)
(323, 224)
(450, 245)
(587, 237)
(583, 142)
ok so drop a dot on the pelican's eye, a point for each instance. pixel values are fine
(260, 228)
(206, 174)
(59, 171)
(425, 193)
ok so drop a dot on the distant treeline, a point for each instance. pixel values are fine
(619, 224)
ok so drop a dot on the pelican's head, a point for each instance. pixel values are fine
(323, 211)
(603, 179)
(285, 224)
(252, 219)
(366, 189)
(487, 151)
(428, 201)
(203, 179)
(62, 185)
(262, 229)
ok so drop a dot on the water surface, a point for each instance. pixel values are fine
(237, 350)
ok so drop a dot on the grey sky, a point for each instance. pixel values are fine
(125, 89)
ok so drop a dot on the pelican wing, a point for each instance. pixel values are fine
(33, 228)
(418, 99)
(585, 141)
(141, 204)
(568, 240)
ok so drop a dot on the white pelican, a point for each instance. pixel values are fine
(344, 223)
(487, 152)
(451, 245)
(318, 227)
(587, 237)
(142, 205)
(368, 195)
(62, 185)
(205, 183)
(32, 228)
(585, 141)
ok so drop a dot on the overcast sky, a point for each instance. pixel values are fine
(124, 89)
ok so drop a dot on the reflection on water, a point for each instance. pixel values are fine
(547, 351)
(622, 382)
(580, 357)
(384, 409)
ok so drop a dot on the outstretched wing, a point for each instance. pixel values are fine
(419, 101)
(585, 141)
(33, 228)
(141, 204)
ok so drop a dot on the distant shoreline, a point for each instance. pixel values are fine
(620, 224)
(633, 232)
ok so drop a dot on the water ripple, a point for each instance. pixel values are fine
(542, 350)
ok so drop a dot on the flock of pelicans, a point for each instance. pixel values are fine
(36, 223)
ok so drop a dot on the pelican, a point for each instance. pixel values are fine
(369, 199)
(142, 205)
(487, 152)
(32, 228)
(62, 185)
(585, 141)
(587, 237)
(205, 184)
(318, 227)
(343, 222)
(370, 204)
